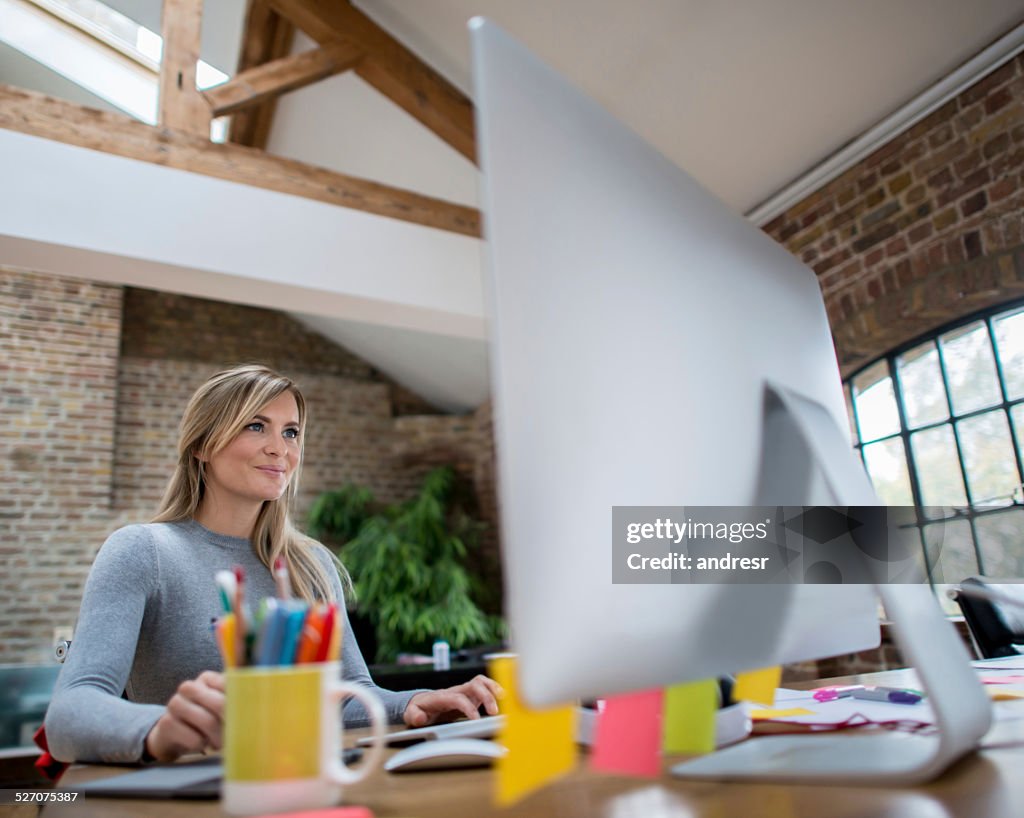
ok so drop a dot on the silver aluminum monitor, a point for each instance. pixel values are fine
(635, 321)
(637, 324)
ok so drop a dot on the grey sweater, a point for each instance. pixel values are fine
(144, 627)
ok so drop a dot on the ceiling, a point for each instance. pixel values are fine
(746, 96)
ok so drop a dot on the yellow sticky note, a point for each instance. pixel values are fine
(757, 685)
(770, 713)
(690, 717)
(541, 744)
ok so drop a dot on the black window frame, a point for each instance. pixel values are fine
(971, 512)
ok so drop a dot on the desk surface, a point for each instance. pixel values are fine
(987, 784)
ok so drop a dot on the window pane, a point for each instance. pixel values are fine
(1017, 418)
(1009, 332)
(1001, 538)
(970, 368)
(887, 466)
(875, 402)
(924, 396)
(988, 458)
(950, 550)
(938, 468)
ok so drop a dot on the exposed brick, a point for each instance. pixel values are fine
(899, 183)
(944, 219)
(864, 242)
(983, 87)
(1000, 190)
(967, 163)
(875, 256)
(972, 245)
(880, 214)
(915, 194)
(972, 204)
(997, 101)
(920, 232)
(996, 145)
(941, 178)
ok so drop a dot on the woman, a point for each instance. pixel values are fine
(144, 625)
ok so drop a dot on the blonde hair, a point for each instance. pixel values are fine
(217, 412)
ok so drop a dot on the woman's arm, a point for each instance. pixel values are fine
(353, 668)
(87, 719)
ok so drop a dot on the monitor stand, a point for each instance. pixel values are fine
(800, 434)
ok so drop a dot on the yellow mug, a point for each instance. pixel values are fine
(282, 738)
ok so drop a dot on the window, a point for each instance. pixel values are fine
(99, 49)
(940, 426)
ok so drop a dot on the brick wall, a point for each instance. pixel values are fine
(58, 367)
(94, 380)
(927, 229)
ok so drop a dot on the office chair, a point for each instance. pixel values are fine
(996, 627)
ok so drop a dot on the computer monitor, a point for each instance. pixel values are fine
(649, 347)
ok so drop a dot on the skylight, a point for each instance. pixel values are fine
(99, 49)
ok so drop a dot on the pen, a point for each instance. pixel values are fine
(242, 627)
(281, 579)
(226, 586)
(828, 694)
(887, 694)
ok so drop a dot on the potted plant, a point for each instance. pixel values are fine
(408, 565)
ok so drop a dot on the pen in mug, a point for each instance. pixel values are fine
(226, 588)
(281, 579)
(242, 625)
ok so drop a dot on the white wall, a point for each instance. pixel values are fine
(74, 211)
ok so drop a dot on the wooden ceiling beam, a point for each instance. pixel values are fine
(180, 104)
(277, 77)
(39, 115)
(267, 37)
(390, 68)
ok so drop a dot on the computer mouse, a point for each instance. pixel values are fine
(445, 754)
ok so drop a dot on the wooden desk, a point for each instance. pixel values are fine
(987, 784)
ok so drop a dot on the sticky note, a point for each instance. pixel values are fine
(771, 713)
(629, 734)
(541, 744)
(690, 717)
(757, 685)
(331, 812)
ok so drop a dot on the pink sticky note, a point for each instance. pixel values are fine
(1002, 680)
(629, 735)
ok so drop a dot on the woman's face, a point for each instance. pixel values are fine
(258, 464)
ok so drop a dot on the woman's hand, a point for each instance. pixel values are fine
(434, 706)
(192, 721)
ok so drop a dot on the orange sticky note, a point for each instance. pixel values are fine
(757, 685)
(540, 743)
(690, 717)
(629, 734)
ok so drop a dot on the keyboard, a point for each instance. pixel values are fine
(486, 727)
